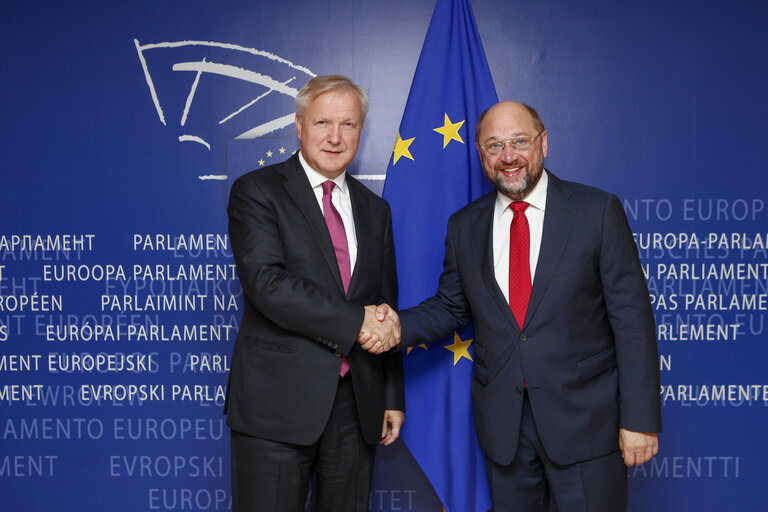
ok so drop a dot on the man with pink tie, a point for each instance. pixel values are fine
(312, 247)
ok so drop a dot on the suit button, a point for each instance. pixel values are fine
(523, 337)
(335, 345)
(337, 354)
(519, 390)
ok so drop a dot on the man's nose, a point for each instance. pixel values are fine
(508, 153)
(334, 135)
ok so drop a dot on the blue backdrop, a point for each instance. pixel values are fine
(123, 123)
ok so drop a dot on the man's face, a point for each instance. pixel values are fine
(329, 131)
(514, 173)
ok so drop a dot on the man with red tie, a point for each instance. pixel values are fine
(566, 375)
(312, 247)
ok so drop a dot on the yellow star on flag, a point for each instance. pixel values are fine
(450, 131)
(408, 350)
(401, 148)
(459, 348)
(261, 162)
(269, 153)
(282, 150)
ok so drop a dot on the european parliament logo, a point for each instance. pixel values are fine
(215, 92)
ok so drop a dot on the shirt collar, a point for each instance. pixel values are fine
(536, 199)
(316, 179)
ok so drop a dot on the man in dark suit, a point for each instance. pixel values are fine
(566, 380)
(312, 246)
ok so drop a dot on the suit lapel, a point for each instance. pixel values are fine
(298, 188)
(558, 225)
(362, 231)
(484, 242)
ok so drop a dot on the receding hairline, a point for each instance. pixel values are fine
(537, 122)
(327, 83)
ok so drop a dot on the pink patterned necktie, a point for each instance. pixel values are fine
(340, 247)
(519, 262)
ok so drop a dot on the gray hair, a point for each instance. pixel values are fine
(325, 83)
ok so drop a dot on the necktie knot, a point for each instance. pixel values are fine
(518, 206)
(328, 187)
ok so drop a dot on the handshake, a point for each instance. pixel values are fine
(380, 331)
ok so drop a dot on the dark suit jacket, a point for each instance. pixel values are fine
(587, 350)
(296, 320)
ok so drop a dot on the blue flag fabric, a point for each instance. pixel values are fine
(435, 170)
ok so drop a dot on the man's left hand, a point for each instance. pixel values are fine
(638, 447)
(390, 430)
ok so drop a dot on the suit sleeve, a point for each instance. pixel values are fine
(445, 312)
(286, 299)
(631, 318)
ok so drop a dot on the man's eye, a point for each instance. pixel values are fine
(496, 146)
(521, 141)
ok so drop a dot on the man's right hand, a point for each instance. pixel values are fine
(380, 331)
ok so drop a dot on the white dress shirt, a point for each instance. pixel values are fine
(341, 201)
(502, 219)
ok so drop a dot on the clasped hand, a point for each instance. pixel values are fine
(380, 331)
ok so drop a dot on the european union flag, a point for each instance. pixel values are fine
(435, 171)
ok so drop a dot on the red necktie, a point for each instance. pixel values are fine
(519, 262)
(340, 247)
